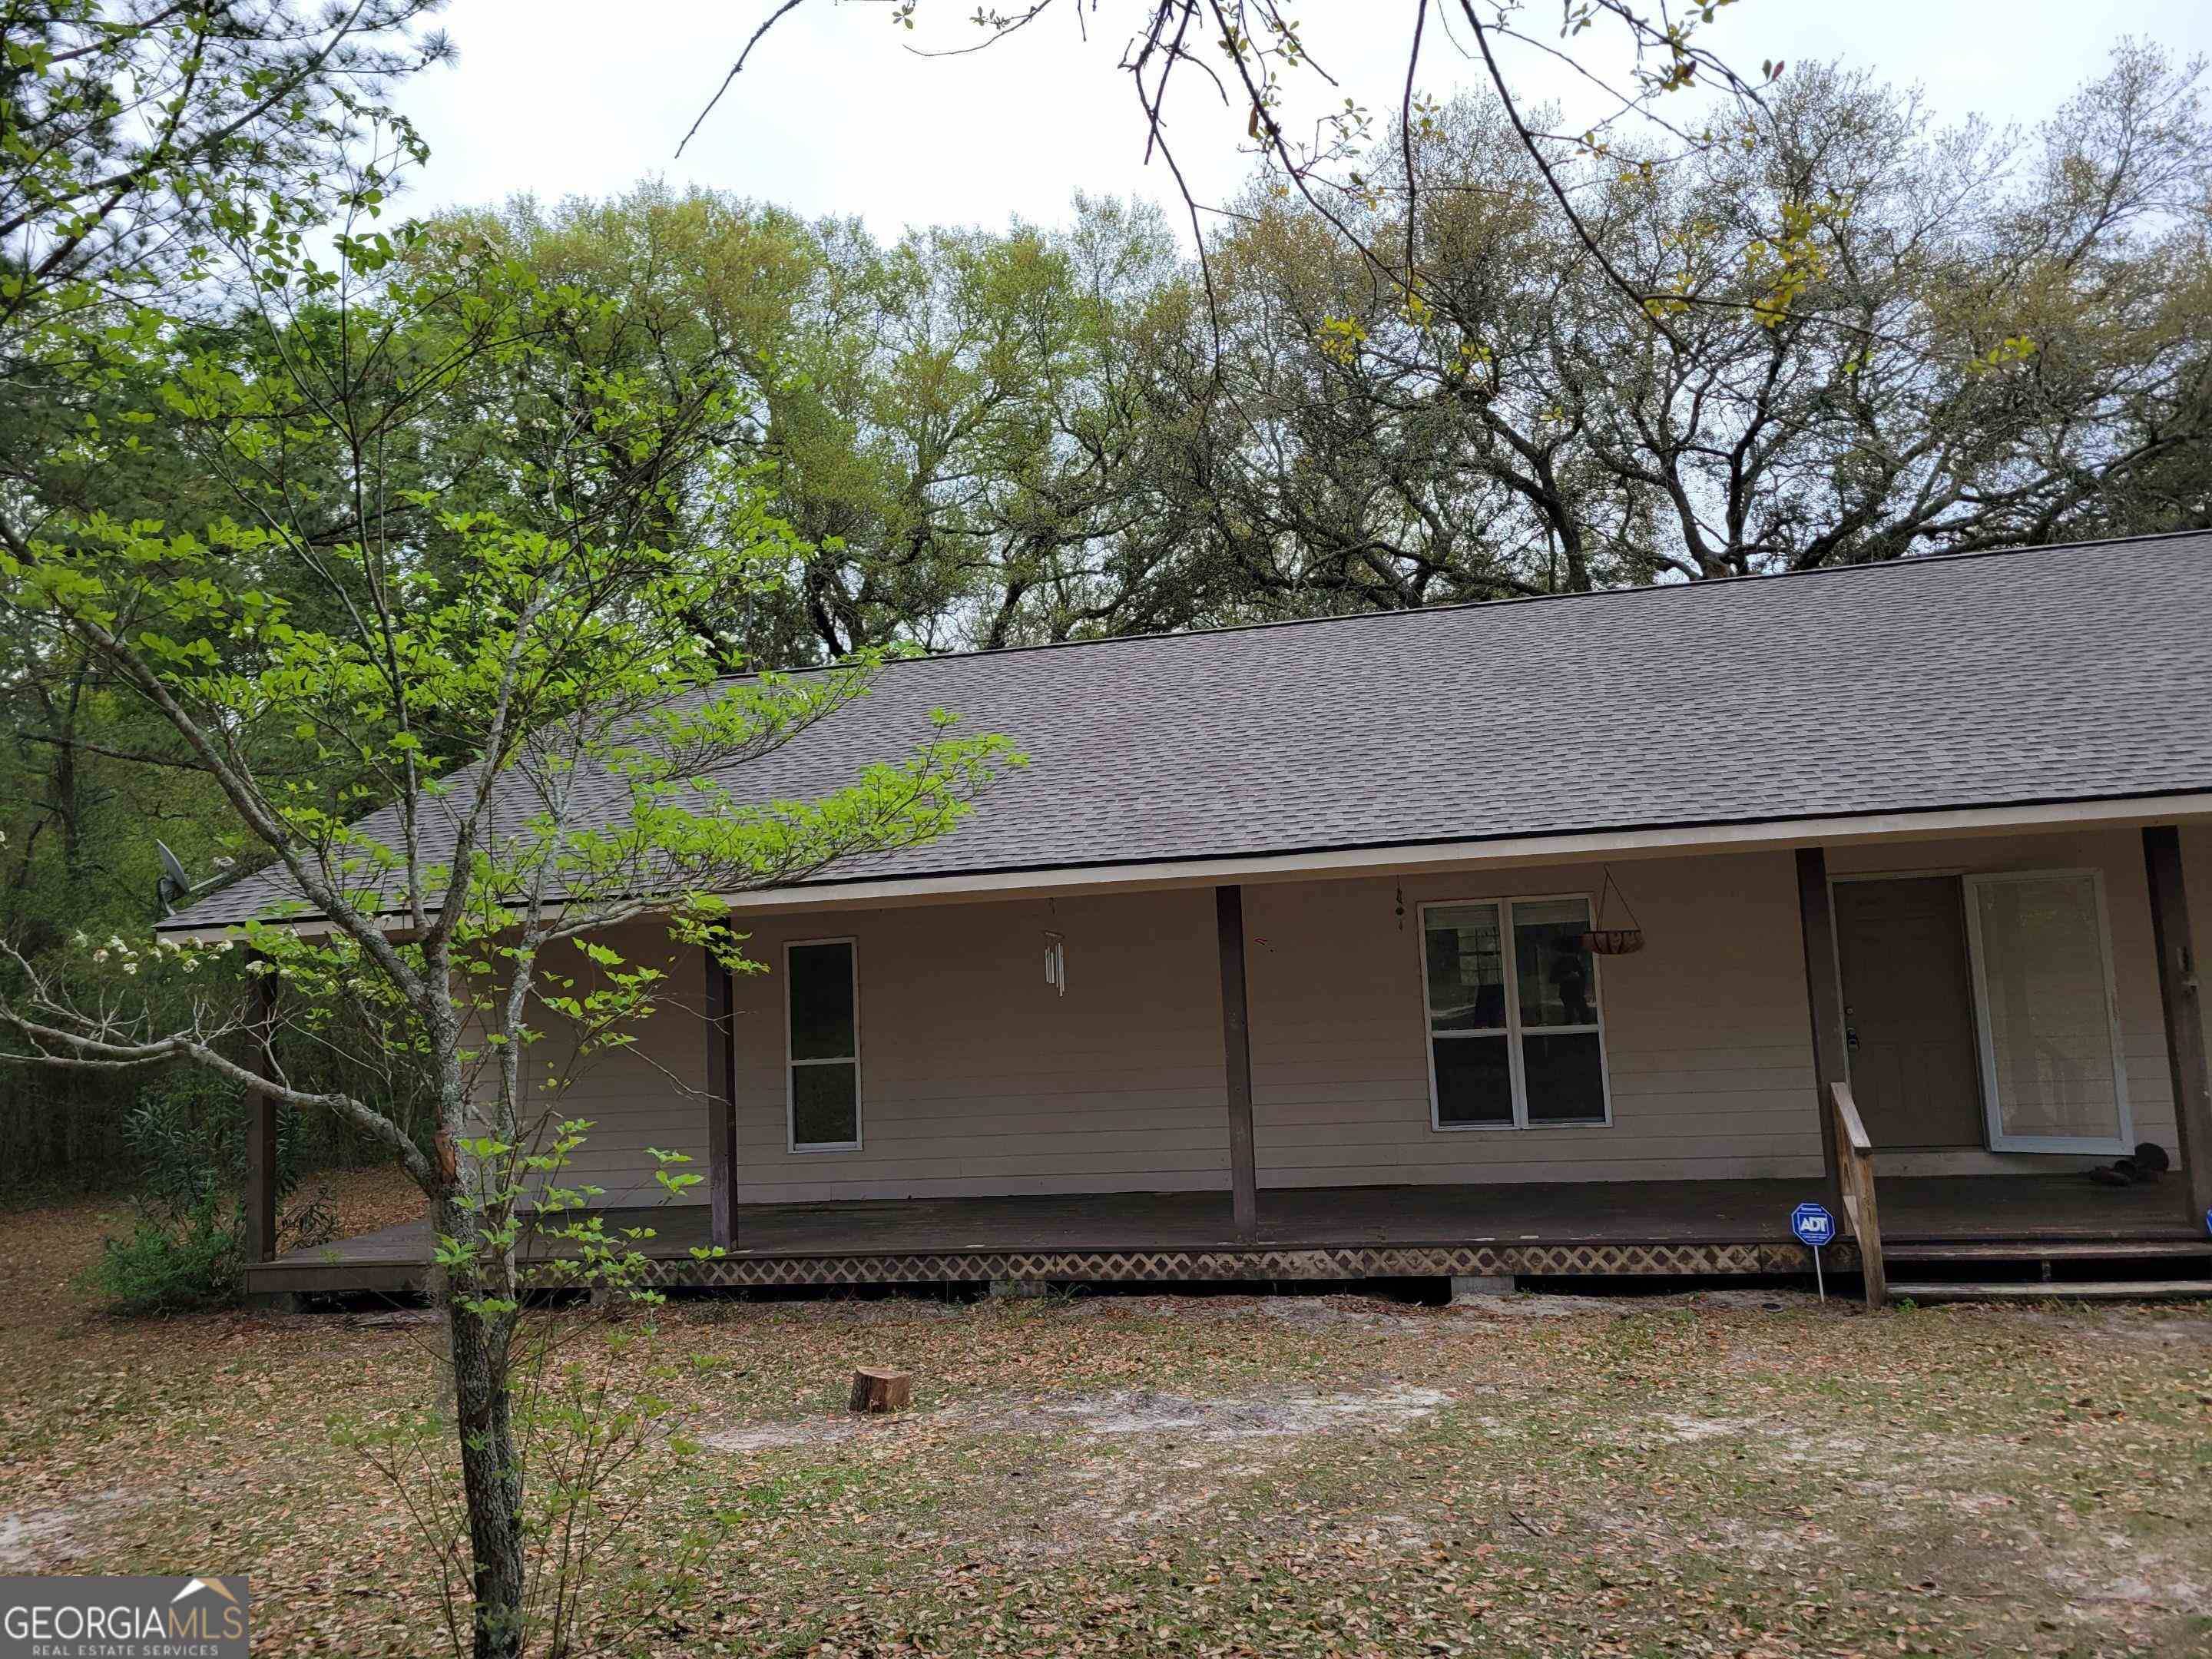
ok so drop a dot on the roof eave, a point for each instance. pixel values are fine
(1414, 858)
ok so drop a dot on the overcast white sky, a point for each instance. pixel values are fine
(834, 115)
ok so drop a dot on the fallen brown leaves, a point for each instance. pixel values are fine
(1224, 1476)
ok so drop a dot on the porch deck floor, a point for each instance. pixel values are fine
(1915, 1210)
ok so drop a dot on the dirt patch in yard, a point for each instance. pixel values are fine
(807, 1431)
(1540, 1304)
(2149, 1580)
(32, 1539)
(1689, 1429)
(1532, 1305)
(1144, 1412)
(1131, 1412)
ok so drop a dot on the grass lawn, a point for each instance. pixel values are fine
(1737, 1473)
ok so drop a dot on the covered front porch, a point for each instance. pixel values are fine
(1284, 1080)
(1534, 1230)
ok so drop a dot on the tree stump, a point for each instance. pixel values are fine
(878, 1390)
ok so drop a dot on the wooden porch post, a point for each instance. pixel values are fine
(1824, 986)
(1236, 1044)
(261, 1129)
(721, 1104)
(2183, 1000)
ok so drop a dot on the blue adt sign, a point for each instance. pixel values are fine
(1812, 1224)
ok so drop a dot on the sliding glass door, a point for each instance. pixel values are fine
(2050, 1030)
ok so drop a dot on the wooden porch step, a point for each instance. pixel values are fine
(2084, 1290)
(2048, 1249)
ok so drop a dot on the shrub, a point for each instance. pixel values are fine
(169, 1263)
(186, 1137)
(187, 1241)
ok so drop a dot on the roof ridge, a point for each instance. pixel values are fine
(1916, 561)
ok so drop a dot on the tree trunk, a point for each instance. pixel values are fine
(491, 1475)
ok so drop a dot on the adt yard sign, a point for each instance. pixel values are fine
(1814, 1227)
(1812, 1224)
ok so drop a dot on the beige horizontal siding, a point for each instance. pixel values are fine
(976, 1076)
(977, 1079)
(643, 1096)
(1708, 1042)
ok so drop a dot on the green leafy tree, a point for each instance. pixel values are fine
(469, 726)
(126, 125)
(968, 429)
(1510, 427)
(1743, 322)
(127, 129)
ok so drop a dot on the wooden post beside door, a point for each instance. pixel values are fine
(2182, 997)
(1237, 1045)
(1823, 986)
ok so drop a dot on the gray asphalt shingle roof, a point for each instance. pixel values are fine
(2042, 675)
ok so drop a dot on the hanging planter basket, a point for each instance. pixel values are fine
(1613, 941)
(1603, 941)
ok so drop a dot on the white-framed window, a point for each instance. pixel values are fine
(1515, 1037)
(2054, 1077)
(821, 1022)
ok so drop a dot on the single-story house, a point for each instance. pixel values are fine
(1519, 938)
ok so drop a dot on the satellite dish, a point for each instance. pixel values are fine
(175, 884)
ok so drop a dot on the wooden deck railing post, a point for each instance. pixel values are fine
(261, 1109)
(1859, 1206)
(2183, 1000)
(1825, 990)
(721, 1104)
(1237, 1048)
